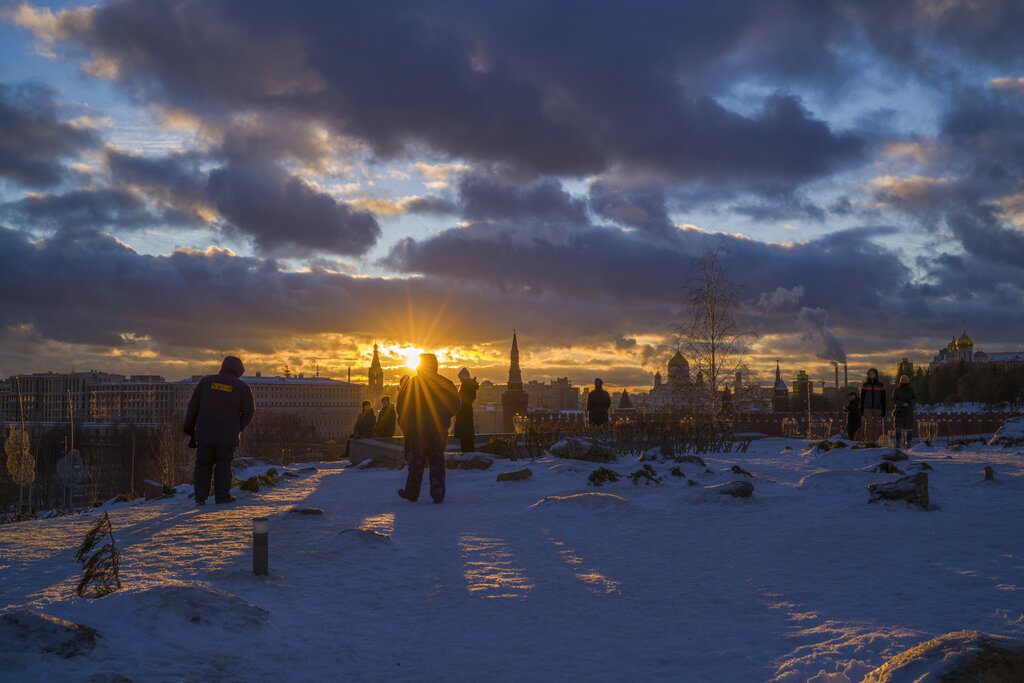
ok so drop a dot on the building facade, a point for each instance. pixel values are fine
(559, 394)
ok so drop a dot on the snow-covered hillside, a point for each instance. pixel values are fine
(539, 579)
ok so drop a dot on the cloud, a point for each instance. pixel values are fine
(35, 141)
(97, 208)
(487, 83)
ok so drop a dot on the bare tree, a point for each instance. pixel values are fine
(169, 461)
(711, 339)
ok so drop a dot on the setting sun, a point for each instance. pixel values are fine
(412, 358)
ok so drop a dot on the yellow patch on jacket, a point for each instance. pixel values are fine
(218, 386)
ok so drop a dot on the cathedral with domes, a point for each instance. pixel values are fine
(678, 391)
(957, 350)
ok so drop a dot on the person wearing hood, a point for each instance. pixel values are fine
(464, 418)
(852, 415)
(386, 419)
(598, 404)
(426, 406)
(366, 422)
(872, 406)
(221, 407)
(903, 400)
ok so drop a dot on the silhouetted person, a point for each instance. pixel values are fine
(464, 418)
(387, 419)
(852, 415)
(404, 380)
(903, 400)
(220, 408)
(366, 421)
(872, 405)
(598, 403)
(425, 409)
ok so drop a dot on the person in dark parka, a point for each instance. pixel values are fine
(221, 407)
(903, 400)
(387, 419)
(425, 409)
(872, 406)
(366, 422)
(464, 418)
(598, 403)
(852, 415)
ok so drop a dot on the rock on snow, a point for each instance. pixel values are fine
(964, 656)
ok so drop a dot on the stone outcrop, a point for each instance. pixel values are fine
(516, 475)
(957, 657)
(467, 461)
(25, 630)
(736, 489)
(578, 448)
(912, 490)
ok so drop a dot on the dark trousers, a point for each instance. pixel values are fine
(467, 443)
(419, 456)
(213, 461)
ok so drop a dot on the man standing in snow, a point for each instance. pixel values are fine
(872, 406)
(464, 428)
(426, 406)
(598, 403)
(220, 408)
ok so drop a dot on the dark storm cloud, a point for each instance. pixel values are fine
(94, 289)
(277, 210)
(643, 209)
(974, 178)
(88, 209)
(567, 90)
(35, 142)
(256, 198)
(489, 196)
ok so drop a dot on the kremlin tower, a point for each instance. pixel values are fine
(515, 399)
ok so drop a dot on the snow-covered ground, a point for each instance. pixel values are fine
(523, 580)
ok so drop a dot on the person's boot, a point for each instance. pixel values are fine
(225, 500)
(403, 494)
(200, 502)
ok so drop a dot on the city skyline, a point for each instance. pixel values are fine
(411, 175)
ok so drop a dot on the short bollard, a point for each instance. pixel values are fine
(260, 550)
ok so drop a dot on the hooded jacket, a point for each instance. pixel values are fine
(872, 394)
(221, 406)
(464, 418)
(386, 421)
(903, 399)
(365, 424)
(425, 407)
(598, 403)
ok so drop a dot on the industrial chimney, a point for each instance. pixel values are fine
(835, 365)
(846, 375)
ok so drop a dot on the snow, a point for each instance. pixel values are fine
(542, 579)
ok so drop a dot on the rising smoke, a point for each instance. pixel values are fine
(815, 322)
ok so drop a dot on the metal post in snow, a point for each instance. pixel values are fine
(260, 546)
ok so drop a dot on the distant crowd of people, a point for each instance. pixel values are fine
(865, 414)
(222, 406)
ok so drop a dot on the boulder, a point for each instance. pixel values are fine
(579, 448)
(602, 476)
(377, 453)
(24, 631)
(912, 489)
(736, 489)
(517, 475)
(240, 467)
(894, 455)
(886, 467)
(467, 461)
(152, 490)
(1010, 434)
(960, 656)
(305, 511)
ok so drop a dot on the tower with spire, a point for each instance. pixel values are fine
(375, 382)
(780, 392)
(514, 400)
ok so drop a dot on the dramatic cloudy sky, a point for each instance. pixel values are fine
(290, 181)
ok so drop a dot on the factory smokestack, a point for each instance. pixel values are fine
(846, 375)
(836, 366)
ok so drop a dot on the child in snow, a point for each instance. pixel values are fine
(852, 415)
